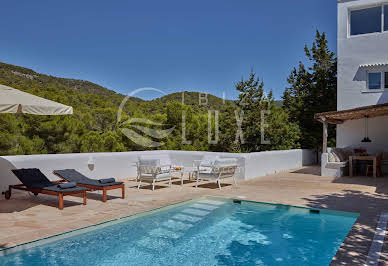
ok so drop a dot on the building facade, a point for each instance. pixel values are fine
(362, 70)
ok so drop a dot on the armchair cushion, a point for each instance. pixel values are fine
(157, 176)
(333, 158)
(149, 162)
(337, 165)
(341, 154)
(222, 162)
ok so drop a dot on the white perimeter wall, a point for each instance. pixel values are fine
(121, 165)
(265, 163)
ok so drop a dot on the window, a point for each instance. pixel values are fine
(386, 80)
(374, 81)
(366, 20)
(386, 17)
(377, 81)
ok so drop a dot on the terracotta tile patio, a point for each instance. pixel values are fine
(26, 217)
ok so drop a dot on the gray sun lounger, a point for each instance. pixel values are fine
(72, 175)
(35, 181)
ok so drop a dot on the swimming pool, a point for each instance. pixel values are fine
(206, 231)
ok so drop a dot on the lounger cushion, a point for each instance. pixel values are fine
(34, 178)
(106, 180)
(67, 185)
(72, 175)
(57, 189)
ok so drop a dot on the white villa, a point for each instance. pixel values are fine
(362, 104)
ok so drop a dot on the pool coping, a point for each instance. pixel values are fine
(85, 229)
(376, 247)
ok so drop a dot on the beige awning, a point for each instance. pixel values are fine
(16, 101)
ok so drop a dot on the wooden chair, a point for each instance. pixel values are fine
(369, 168)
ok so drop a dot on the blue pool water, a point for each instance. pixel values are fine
(203, 232)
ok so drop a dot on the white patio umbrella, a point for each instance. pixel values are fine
(15, 101)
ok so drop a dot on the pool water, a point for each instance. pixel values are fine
(202, 232)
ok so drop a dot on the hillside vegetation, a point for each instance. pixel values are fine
(199, 99)
(94, 127)
(254, 122)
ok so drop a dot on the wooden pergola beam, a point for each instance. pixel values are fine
(334, 121)
(337, 117)
(324, 119)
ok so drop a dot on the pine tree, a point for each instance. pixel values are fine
(313, 90)
(279, 133)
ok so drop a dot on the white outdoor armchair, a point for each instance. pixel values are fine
(151, 171)
(221, 168)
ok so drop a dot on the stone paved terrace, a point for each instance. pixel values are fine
(26, 217)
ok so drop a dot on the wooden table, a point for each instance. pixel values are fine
(363, 158)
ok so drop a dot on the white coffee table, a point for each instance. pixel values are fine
(184, 170)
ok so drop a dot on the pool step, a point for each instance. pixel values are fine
(165, 233)
(177, 225)
(186, 218)
(174, 228)
(196, 212)
(204, 206)
(212, 202)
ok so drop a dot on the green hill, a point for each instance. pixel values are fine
(93, 127)
(198, 99)
(15, 74)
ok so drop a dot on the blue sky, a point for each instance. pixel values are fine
(172, 45)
